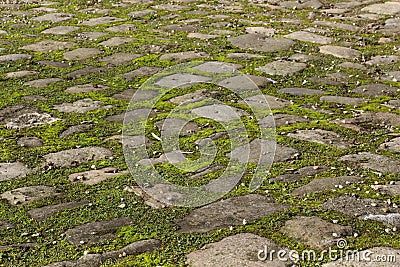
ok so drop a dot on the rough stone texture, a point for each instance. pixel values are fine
(371, 122)
(387, 8)
(101, 20)
(116, 41)
(300, 91)
(48, 46)
(54, 17)
(61, 30)
(218, 112)
(43, 213)
(393, 76)
(365, 209)
(30, 142)
(184, 56)
(258, 42)
(26, 195)
(91, 233)
(282, 68)
(14, 57)
(85, 71)
(140, 95)
(120, 58)
(95, 176)
(263, 101)
(80, 106)
(322, 184)
(322, 137)
(280, 120)
(143, 71)
(86, 88)
(218, 67)
(392, 145)
(375, 162)
(297, 175)
(229, 212)
(237, 250)
(376, 89)
(133, 115)
(76, 129)
(181, 79)
(315, 232)
(9, 171)
(262, 152)
(81, 53)
(20, 74)
(340, 52)
(172, 126)
(383, 60)
(42, 82)
(309, 37)
(343, 100)
(76, 156)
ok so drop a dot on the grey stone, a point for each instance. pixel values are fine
(101, 20)
(14, 57)
(27, 195)
(387, 8)
(91, 36)
(352, 65)
(309, 37)
(80, 106)
(335, 79)
(54, 17)
(201, 36)
(33, 98)
(304, 57)
(116, 41)
(337, 25)
(375, 162)
(9, 171)
(394, 103)
(237, 250)
(320, 136)
(229, 212)
(20, 74)
(142, 71)
(260, 101)
(169, 7)
(383, 60)
(133, 115)
(191, 97)
(392, 188)
(85, 71)
(48, 46)
(218, 67)
(30, 142)
(376, 89)
(76, 129)
(95, 176)
(393, 76)
(74, 157)
(172, 126)
(322, 184)
(95, 11)
(86, 88)
(282, 68)
(140, 95)
(342, 100)
(243, 56)
(120, 58)
(52, 63)
(297, 175)
(43, 213)
(315, 232)
(261, 30)
(42, 82)
(364, 208)
(181, 79)
(141, 13)
(60, 30)
(339, 51)
(82, 53)
(184, 56)
(122, 28)
(91, 233)
(371, 121)
(218, 112)
(278, 120)
(368, 262)
(392, 145)
(263, 152)
(181, 28)
(258, 42)
(244, 82)
(297, 91)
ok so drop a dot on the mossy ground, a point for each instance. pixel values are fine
(149, 223)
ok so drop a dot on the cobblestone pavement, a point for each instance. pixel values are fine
(329, 71)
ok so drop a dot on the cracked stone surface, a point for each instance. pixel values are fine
(9, 171)
(229, 212)
(76, 156)
(322, 137)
